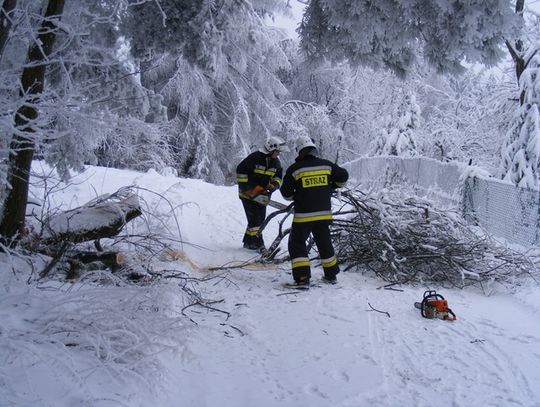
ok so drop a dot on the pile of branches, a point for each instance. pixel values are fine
(407, 239)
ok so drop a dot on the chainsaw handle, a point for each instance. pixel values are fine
(432, 294)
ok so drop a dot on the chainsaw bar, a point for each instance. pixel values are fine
(265, 200)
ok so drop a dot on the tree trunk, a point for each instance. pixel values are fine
(516, 50)
(6, 18)
(23, 142)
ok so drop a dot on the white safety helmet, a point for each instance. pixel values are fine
(303, 142)
(274, 143)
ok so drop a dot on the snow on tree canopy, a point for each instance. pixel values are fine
(398, 137)
(390, 33)
(521, 153)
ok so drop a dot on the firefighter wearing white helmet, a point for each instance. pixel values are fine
(274, 143)
(259, 173)
(304, 142)
(309, 182)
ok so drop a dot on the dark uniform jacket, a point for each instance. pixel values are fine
(310, 182)
(258, 169)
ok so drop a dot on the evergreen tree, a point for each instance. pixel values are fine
(391, 33)
(398, 137)
(216, 67)
(521, 151)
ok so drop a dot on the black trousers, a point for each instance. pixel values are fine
(298, 250)
(255, 214)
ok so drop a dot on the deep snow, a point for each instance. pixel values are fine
(77, 344)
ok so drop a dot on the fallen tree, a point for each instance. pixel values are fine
(103, 217)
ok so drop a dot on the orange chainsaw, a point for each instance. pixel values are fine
(434, 305)
(259, 195)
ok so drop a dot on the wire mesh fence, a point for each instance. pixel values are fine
(501, 209)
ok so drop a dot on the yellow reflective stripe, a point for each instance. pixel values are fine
(276, 180)
(311, 173)
(300, 262)
(312, 218)
(263, 172)
(311, 168)
(252, 231)
(330, 262)
(241, 179)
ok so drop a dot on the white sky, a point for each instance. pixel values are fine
(290, 23)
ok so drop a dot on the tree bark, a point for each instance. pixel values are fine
(6, 19)
(23, 142)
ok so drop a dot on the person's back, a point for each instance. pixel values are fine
(310, 182)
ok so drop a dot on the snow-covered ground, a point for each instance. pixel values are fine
(77, 344)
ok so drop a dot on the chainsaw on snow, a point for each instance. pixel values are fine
(434, 305)
(257, 195)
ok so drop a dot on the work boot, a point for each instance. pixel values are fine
(302, 282)
(329, 280)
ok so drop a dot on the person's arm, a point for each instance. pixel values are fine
(287, 188)
(339, 176)
(243, 170)
(275, 182)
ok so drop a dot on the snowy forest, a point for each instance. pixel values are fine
(183, 90)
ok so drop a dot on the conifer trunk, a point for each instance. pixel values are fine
(23, 142)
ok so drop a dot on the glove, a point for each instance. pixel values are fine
(271, 187)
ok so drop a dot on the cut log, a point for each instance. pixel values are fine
(110, 259)
(85, 261)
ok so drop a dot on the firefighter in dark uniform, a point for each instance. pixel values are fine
(310, 182)
(259, 173)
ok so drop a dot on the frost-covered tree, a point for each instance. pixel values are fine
(64, 96)
(464, 116)
(521, 151)
(7, 15)
(391, 33)
(398, 137)
(215, 65)
(313, 120)
(354, 100)
(26, 121)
